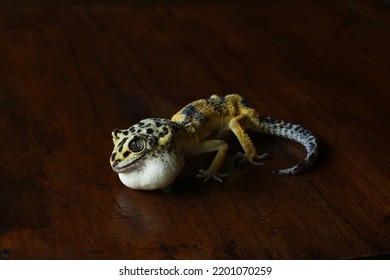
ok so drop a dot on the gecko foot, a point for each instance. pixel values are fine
(243, 159)
(207, 175)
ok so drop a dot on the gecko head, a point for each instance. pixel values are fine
(144, 155)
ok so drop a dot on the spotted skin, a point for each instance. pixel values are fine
(162, 142)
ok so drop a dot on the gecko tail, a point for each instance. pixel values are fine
(296, 133)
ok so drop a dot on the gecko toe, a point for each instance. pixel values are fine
(207, 175)
(243, 159)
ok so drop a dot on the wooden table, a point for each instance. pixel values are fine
(69, 75)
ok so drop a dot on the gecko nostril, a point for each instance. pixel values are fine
(116, 162)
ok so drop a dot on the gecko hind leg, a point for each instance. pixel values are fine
(250, 155)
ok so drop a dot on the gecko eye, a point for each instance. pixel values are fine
(137, 145)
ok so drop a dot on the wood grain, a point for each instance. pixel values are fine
(70, 75)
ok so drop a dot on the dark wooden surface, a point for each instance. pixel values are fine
(69, 75)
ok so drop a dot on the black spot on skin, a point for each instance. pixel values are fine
(217, 103)
(149, 131)
(115, 132)
(141, 124)
(288, 125)
(269, 120)
(297, 128)
(158, 124)
(121, 145)
(113, 156)
(126, 154)
(132, 129)
(189, 110)
(152, 141)
(126, 132)
(245, 102)
(173, 126)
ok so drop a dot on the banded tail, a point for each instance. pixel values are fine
(296, 133)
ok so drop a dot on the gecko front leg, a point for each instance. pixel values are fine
(209, 146)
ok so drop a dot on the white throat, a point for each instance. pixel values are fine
(157, 172)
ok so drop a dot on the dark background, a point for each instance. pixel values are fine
(71, 72)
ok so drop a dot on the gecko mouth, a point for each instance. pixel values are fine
(131, 166)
